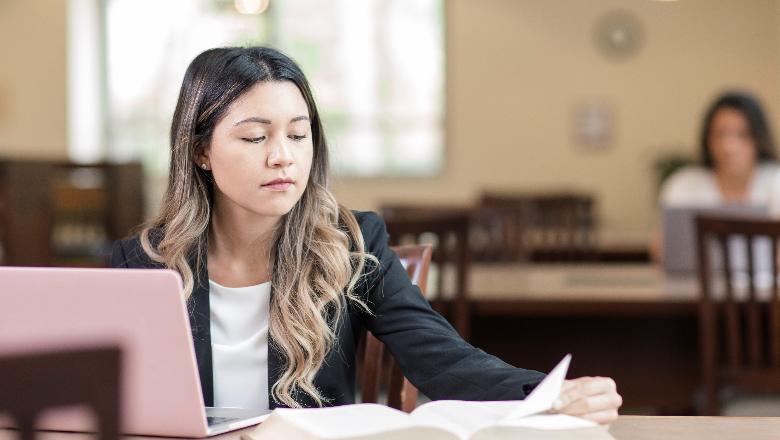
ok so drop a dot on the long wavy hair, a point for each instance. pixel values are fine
(317, 254)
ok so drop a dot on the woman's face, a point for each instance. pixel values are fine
(732, 147)
(261, 151)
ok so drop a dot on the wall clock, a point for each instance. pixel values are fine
(618, 35)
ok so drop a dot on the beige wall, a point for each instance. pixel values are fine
(517, 67)
(32, 78)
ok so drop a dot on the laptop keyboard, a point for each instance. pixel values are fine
(211, 421)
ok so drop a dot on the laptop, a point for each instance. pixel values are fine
(679, 239)
(141, 311)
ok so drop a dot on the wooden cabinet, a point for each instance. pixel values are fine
(65, 214)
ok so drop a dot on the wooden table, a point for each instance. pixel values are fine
(629, 322)
(626, 428)
(584, 289)
(693, 428)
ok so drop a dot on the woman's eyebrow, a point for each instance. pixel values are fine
(253, 119)
(268, 121)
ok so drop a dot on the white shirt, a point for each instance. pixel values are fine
(239, 344)
(696, 186)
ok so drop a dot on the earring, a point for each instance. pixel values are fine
(204, 166)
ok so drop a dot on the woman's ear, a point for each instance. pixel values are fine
(202, 160)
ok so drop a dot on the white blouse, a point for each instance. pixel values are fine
(696, 186)
(239, 344)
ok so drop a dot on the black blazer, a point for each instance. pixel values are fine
(430, 352)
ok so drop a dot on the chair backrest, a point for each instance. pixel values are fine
(739, 310)
(401, 394)
(450, 227)
(541, 227)
(32, 383)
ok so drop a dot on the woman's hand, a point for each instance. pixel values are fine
(592, 398)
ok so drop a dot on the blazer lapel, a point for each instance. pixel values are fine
(274, 367)
(200, 323)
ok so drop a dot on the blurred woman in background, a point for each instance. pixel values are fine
(737, 163)
(737, 159)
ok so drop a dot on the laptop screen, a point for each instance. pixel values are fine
(679, 238)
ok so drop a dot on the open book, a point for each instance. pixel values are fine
(438, 420)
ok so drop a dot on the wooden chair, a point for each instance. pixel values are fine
(32, 383)
(740, 329)
(450, 227)
(401, 393)
(545, 227)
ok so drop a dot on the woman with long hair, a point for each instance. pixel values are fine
(279, 277)
(737, 161)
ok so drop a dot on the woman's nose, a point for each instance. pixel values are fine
(280, 155)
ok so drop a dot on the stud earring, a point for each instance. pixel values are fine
(203, 165)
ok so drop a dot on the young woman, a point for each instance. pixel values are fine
(280, 278)
(737, 156)
(737, 163)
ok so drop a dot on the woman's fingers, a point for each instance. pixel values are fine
(574, 390)
(593, 404)
(592, 398)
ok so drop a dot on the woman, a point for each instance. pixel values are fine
(737, 159)
(247, 212)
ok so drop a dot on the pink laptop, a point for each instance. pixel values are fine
(143, 312)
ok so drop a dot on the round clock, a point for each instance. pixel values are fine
(618, 35)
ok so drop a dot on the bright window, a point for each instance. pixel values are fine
(376, 67)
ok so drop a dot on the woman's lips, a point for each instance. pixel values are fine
(281, 186)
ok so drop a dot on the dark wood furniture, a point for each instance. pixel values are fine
(625, 321)
(401, 394)
(544, 227)
(740, 326)
(32, 383)
(449, 229)
(66, 214)
(25, 213)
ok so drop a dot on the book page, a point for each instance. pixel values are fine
(549, 421)
(544, 395)
(365, 420)
(463, 417)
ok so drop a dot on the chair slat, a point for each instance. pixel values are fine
(707, 317)
(372, 368)
(733, 340)
(754, 336)
(402, 394)
(773, 328)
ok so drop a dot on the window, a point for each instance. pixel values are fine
(376, 67)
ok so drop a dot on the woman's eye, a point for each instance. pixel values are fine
(297, 138)
(255, 140)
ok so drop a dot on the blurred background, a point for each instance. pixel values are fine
(508, 121)
(428, 100)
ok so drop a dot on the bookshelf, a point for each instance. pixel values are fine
(66, 214)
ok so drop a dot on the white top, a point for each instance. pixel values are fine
(696, 186)
(239, 344)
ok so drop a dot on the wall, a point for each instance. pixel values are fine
(516, 68)
(32, 78)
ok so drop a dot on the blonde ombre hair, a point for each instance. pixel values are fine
(318, 251)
